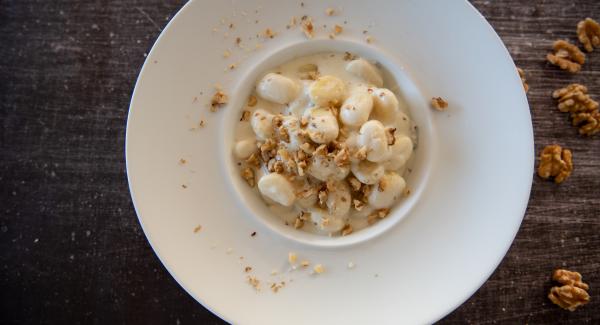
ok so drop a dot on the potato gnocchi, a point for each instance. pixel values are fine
(328, 149)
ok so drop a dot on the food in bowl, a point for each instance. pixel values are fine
(325, 143)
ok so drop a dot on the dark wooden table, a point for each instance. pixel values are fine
(72, 250)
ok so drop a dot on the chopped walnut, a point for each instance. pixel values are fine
(248, 176)
(247, 269)
(254, 282)
(319, 269)
(307, 27)
(252, 101)
(292, 257)
(245, 116)
(298, 223)
(329, 11)
(347, 230)
(572, 293)
(555, 163)
(567, 56)
(349, 56)
(389, 133)
(361, 154)
(342, 158)
(354, 183)
(358, 204)
(269, 33)
(253, 160)
(322, 196)
(377, 215)
(226, 54)
(439, 103)
(523, 80)
(218, 100)
(197, 229)
(308, 71)
(305, 263)
(588, 32)
(382, 185)
(276, 286)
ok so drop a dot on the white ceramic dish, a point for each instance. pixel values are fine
(471, 182)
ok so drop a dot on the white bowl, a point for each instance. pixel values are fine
(395, 78)
(440, 245)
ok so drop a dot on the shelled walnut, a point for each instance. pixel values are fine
(588, 32)
(572, 293)
(567, 56)
(555, 163)
(575, 100)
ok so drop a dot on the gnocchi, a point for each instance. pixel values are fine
(326, 144)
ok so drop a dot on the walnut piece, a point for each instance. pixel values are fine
(245, 116)
(307, 27)
(555, 163)
(566, 56)
(523, 80)
(572, 293)
(588, 32)
(439, 103)
(218, 99)
(347, 230)
(583, 109)
(342, 158)
(252, 101)
(389, 133)
(248, 176)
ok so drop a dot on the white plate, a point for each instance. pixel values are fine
(432, 253)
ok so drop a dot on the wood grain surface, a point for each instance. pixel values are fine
(72, 250)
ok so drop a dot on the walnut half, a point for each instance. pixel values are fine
(555, 163)
(588, 32)
(572, 293)
(567, 56)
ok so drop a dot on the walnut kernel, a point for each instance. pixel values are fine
(439, 103)
(572, 293)
(588, 32)
(566, 56)
(248, 176)
(555, 163)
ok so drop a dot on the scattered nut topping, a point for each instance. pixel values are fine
(305, 263)
(523, 80)
(248, 176)
(439, 103)
(329, 11)
(226, 54)
(349, 56)
(555, 163)
(567, 56)
(588, 32)
(354, 183)
(197, 229)
(358, 205)
(307, 27)
(184, 186)
(254, 282)
(322, 197)
(245, 116)
(583, 109)
(232, 66)
(298, 223)
(218, 100)
(252, 101)
(377, 215)
(276, 286)
(253, 160)
(572, 293)
(247, 269)
(337, 29)
(319, 269)
(269, 33)
(238, 41)
(342, 158)
(182, 161)
(347, 230)
(361, 154)
(292, 257)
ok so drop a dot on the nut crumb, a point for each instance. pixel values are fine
(439, 103)
(269, 33)
(555, 163)
(337, 29)
(248, 176)
(588, 32)
(254, 282)
(523, 80)
(305, 263)
(566, 56)
(252, 101)
(361, 154)
(349, 56)
(247, 269)
(307, 27)
(245, 116)
(298, 223)
(182, 161)
(197, 229)
(358, 204)
(218, 100)
(292, 257)
(238, 41)
(184, 186)
(319, 269)
(232, 66)
(389, 133)
(572, 293)
(347, 230)
(330, 11)
(369, 39)
(226, 54)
